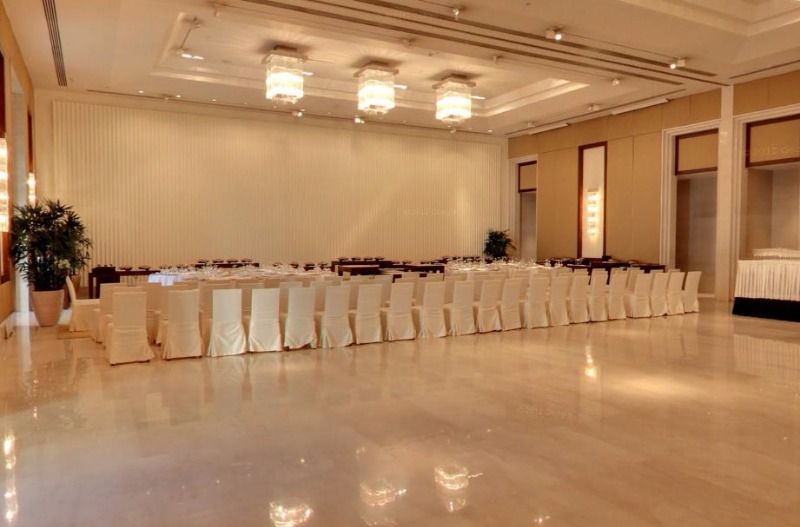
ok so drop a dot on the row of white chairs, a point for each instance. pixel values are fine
(234, 321)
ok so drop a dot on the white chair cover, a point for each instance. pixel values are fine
(509, 304)
(578, 299)
(367, 316)
(557, 305)
(637, 304)
(460, 313)
(101, 315)
(633, 274)
(319, 288)
(598, 296)
(81, 317)
(354, 287)
(300, 328)
(227, 336)
(285, 287)
(658, 294)
(182, 335)
(127, 334)
(397, 318)
(536, 304)
(486, 312)
(430, 315)
(675, 293)
(386, 287)
(334, 324)
(264, 332)
(690, 303)
(247, 294)
(616, 295)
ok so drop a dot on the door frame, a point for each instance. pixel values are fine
(513, 198)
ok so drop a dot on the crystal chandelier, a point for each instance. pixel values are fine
(376, 89)
(454, 100)
(284, 76)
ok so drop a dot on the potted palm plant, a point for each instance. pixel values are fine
(48, 244)
(497, 244)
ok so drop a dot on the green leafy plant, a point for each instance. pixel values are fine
(48, 244)
(497, 244)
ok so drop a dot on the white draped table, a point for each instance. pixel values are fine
(768, 279)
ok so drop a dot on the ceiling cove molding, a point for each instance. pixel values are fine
(51, 16)
(405, 28)
(589, 115)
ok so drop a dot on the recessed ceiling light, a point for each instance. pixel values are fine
(555, 33)
(186, 54)
(213, 100)
(178, 96)
(400, 87)
(297, 113)
(457, 10)
(490, 131)
(453, 130)
(616, 81)
(308, 73)
(140, 92)
(593, 107)
(358, 120)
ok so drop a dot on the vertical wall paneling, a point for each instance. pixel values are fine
(160, 187)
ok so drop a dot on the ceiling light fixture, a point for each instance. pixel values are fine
(376, 88)
(140, 92)
(457, 10)
(555, 33)
(454, 100)
(401, 86)
(639, 105)
(284, 81)
(186, 54)
(358, 120)
(677, 63)
(593, 107)
(616, 81)
(479, 97)
(297, 113)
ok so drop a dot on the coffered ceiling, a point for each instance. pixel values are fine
(523, 79)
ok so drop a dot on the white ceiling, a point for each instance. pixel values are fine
(127, 46)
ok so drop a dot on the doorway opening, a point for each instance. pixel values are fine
(526, 189)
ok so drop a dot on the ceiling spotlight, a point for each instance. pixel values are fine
(400, 87)
(593, 107)
(616, 81)
(555, 33)
(213, 100)
(457, 10)
(178, 96)
(677, 63)
(297, 113)
(358, 120)
(140, 92)
(452, 130)
(490, 131)
(186, 54)
(308, 73)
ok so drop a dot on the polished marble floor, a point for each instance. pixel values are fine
(683, 421)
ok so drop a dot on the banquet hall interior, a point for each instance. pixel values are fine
(400, 262)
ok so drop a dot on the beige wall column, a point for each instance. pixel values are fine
(725, 267)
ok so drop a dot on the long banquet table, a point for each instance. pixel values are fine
(768, 289)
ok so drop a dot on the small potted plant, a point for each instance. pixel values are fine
(497, 244)
(48, 244)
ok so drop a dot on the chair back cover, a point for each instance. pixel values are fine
(433, 297)
(633, 274)
(153, 293)
(127, 340)
(509, 304)
(690, 303)
(183, 307)
(644, 283)
(183, 331)
(463, 294)
(319, 288)
(227, 305)
(300, 327)
(264, 333)
(401, 297)
(71, 289)
(369, 298)
(337, 300)
(285, 286)
(490, 293)
(580, 286)
(536, 303)
(129, 309)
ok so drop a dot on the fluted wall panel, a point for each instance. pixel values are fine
(160, 187)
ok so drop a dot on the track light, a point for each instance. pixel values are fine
(677, 63)
(555, 33)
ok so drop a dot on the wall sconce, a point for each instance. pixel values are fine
(592, 211)
(4, 210)
(31, 182)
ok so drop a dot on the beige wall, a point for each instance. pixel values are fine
(695, 248)
(13, 61)
(697, 152)
(633, 194)
(770, 92)
(775, 141)
(163, 183)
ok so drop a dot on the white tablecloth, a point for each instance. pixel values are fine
(772, 279)
(174, 276)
